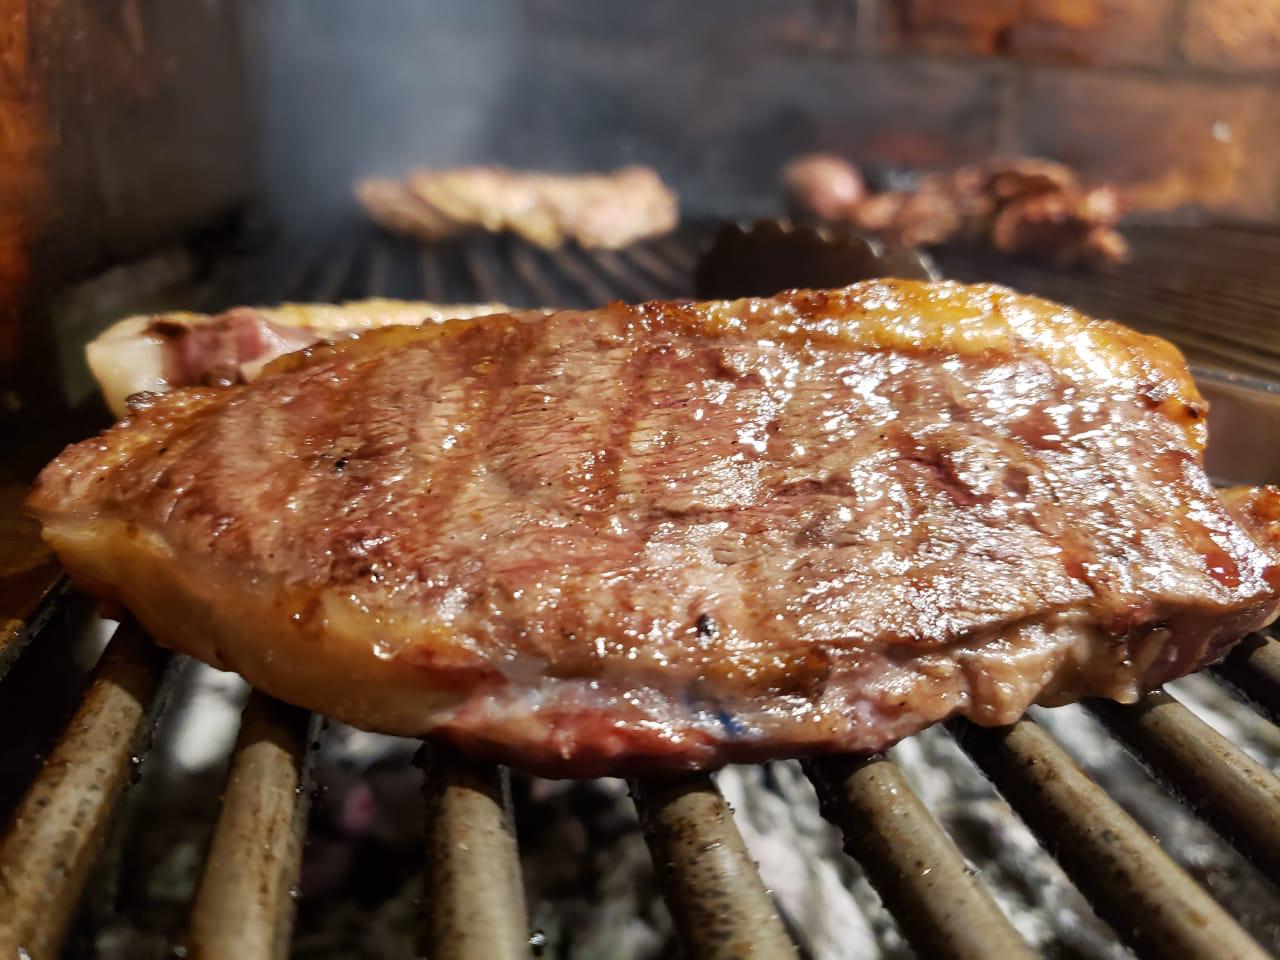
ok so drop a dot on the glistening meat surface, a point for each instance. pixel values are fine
(671, 536)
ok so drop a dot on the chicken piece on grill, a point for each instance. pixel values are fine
(669, 536)
(155, 353)
(607, 210)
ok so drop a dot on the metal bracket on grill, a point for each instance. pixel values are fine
(766, 257)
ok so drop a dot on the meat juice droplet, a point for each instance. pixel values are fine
(383, 649)
(1074, 567)
(1221, 567)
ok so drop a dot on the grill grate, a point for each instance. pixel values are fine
(474, 904)
(1211, 290)
(1132, 884)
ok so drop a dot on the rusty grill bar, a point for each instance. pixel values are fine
(61, 825)
(259, 834)
(474, 905)
(1238, 795)
(1148, 900)
(717, 898)
(912, 862)
(475, 901)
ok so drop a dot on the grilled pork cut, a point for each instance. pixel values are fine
(549, 210)
(671, 536)
(154, 353)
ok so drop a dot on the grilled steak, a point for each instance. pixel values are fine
(609, 210)
(671, 536)
(156, 352)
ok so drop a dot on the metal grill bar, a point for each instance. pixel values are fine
(25, 611)
(244, 907)
(432, 275)
(334, 271)
(1132, 884)
(1235, 793)
(659, 269)
(942, 909)
(474, 896)
(1246, 248)
(645, 285)
(379, 268)
(526, 268)
(1253, 670)
(61, 825)
(716, 897)
(1130, 303)
(1182, 292)
(676, 252)
(1178, 307)
(594, 289)
(287, 279)
(627, 281)
(484, 277)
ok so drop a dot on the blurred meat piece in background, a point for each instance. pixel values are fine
(1022, 207)
(608, 210)
(827, 186)
(156, 353)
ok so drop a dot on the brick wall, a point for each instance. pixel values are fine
(1178, 98)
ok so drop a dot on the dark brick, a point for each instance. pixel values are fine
(673, 24)
(1093, 32)
(1233, 34)
(14, 52)
(880, 114)
(1047, 31)
(952, 26)
(1184, 141)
